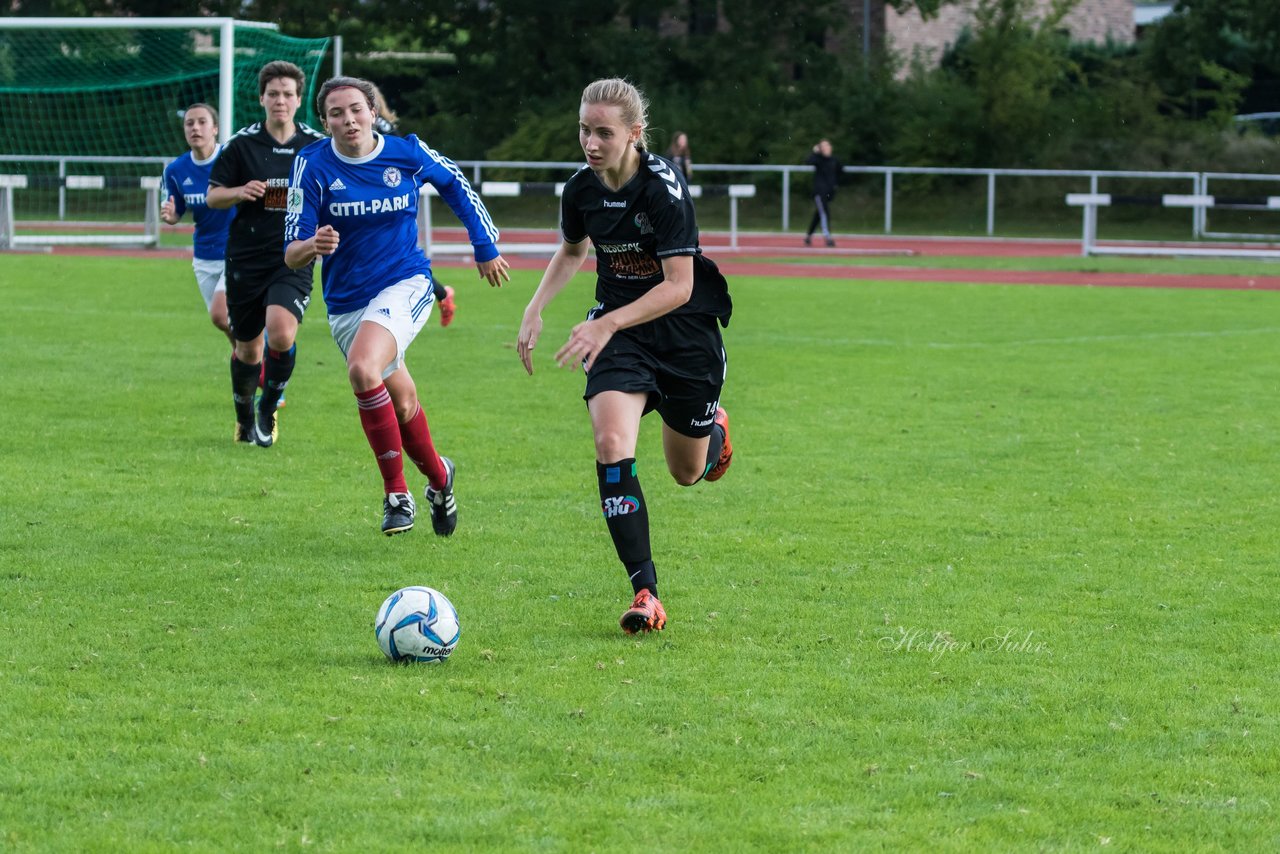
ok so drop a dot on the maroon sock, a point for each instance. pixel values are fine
(416, 439)
(378, 418)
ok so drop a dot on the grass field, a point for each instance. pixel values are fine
(995, 569)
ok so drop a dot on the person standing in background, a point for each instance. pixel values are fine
(826, 175)
(678, 154)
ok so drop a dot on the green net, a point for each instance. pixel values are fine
(91, 114)
(120, 91)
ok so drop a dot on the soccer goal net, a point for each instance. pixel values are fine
(93, 110)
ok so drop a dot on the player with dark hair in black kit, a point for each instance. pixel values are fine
(252, 174)
(653, 341)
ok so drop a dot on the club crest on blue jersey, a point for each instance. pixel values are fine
(391, 176)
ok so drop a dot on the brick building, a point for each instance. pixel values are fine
(911, 36)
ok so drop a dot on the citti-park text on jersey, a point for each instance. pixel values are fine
(372, 206)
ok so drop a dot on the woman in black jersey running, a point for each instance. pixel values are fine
(652, 341)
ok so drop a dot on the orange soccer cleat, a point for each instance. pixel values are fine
(646, 614)
(447, 307)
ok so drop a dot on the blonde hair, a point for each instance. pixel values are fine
(616, 92)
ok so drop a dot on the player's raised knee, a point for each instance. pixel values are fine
(685, 474)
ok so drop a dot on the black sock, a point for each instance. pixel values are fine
(244, 383)
(714, 446)
(438, 290)
(279, 369)
(643, 577)
(622, 502)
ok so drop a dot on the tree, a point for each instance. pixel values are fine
(1213, 55)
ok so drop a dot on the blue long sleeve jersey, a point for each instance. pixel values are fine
(372, 202)
(187, 180)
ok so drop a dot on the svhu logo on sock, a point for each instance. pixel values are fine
(619, 505)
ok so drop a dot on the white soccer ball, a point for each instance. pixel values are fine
(417, 624)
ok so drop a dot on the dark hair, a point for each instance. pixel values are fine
(200, 105)
(334, 83)
(277, 69)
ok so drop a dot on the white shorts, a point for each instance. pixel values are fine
(402, 309)
(211, 276)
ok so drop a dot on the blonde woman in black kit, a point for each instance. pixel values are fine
(653, 340)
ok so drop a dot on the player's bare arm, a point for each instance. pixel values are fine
(225, 197)
(588, 338)
(300, 253)
(564, 264)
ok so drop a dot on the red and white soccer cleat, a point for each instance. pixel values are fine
(646, 614)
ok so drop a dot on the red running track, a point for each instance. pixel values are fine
(793, 264)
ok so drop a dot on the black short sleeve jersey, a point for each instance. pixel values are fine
(649, 218)
(253, 154)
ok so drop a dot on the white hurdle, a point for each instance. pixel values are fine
(1090, 202)
(9, 239)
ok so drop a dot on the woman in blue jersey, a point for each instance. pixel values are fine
(186, 182)
(353, 200)
(653, 340)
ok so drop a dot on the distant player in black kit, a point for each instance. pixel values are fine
(652, 342)
(252, 174)
(826, 175)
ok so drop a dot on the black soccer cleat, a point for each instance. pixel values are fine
(265, 428)
(397, 513)
(444, 509)
(243, 434)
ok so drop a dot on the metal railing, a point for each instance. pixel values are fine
(888, 173)
(1198, 181)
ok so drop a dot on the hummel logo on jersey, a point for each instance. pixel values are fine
(188, 182)
(609, 204)
(337, 184)
(660, 169)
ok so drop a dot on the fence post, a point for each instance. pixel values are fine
(991, 203)
(733, 222)
(888, 202)
(7, 218)
(62, 190)
(1200, 216)
(786, 199)
(151, 228)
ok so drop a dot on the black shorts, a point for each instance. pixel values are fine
(677, 360)
(251, 289)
